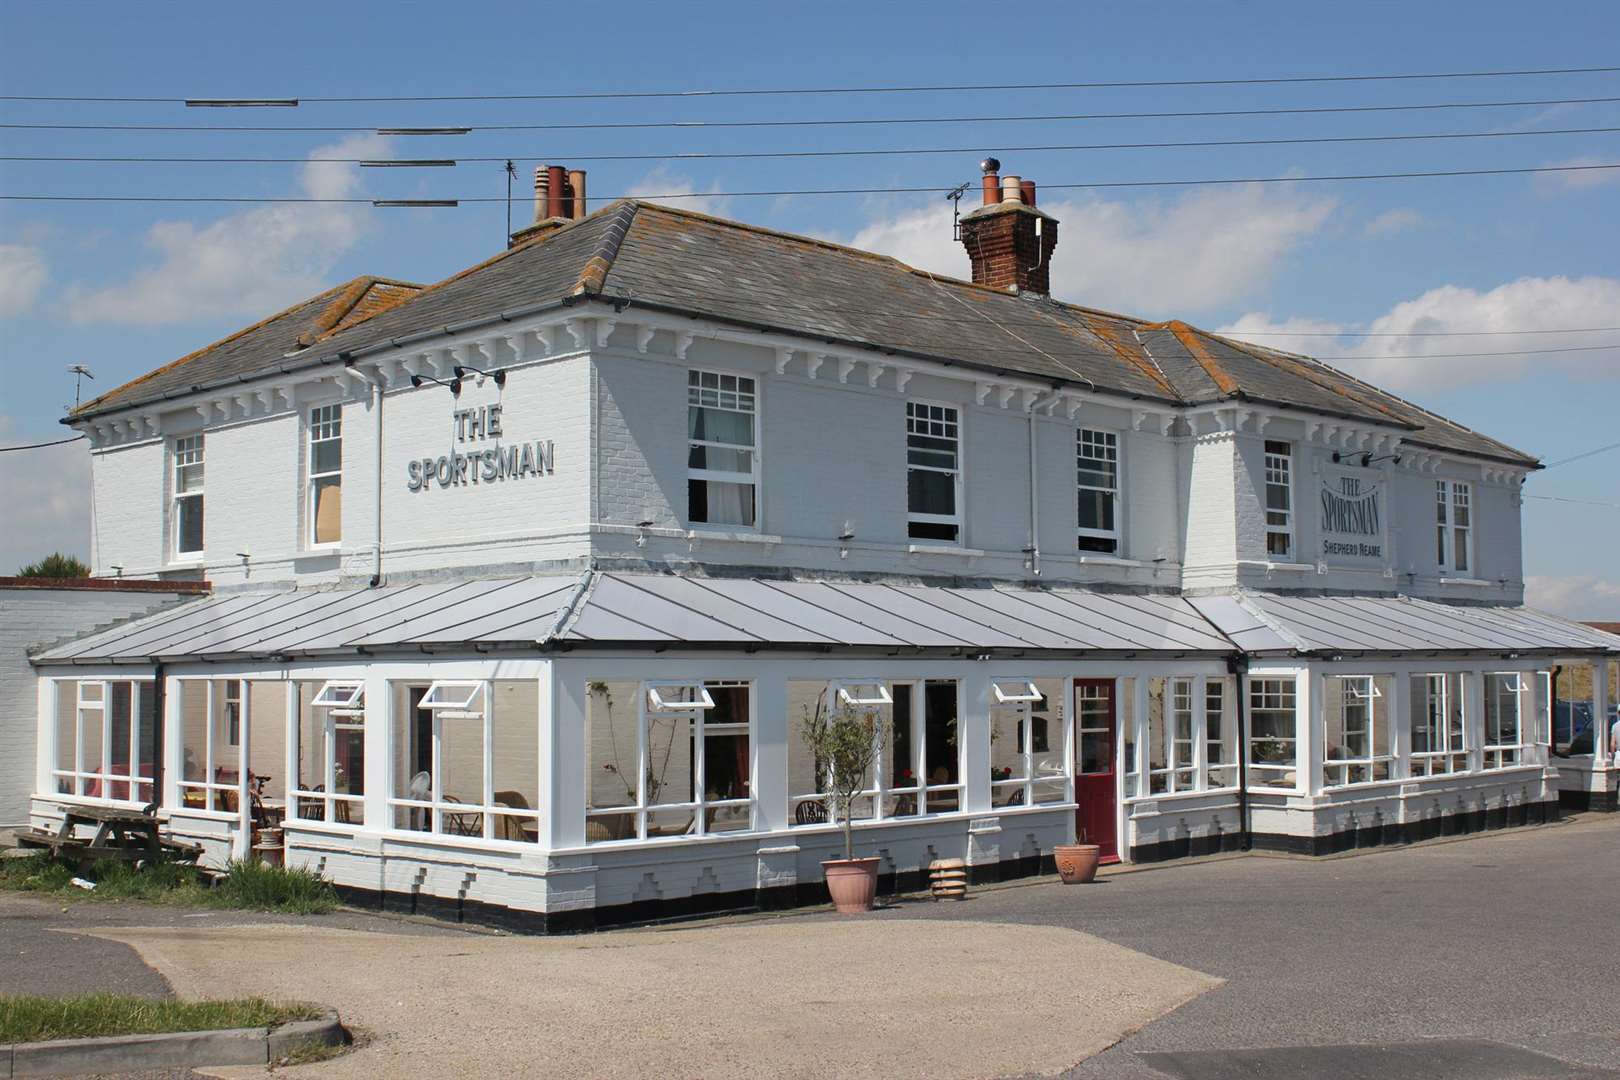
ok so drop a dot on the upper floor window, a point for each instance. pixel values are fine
(1454, 525)
(325, 463)
(933, 472)
(1279, 499)
(1097, 462)
(188, 495)
(722, 477)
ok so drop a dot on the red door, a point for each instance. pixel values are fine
(1094, 790)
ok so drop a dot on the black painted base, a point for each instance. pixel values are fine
(1580, 802)
(804, 894)
(1375, 835)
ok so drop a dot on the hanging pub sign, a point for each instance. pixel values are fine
(1352, 508)
(479, 463)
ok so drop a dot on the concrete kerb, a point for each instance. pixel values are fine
(171, 1050)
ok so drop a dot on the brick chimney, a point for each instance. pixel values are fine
(1009, 241)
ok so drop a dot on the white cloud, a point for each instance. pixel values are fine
(23, 273)
(1576, 597)
(1147, 256)
(46, 495)
(1584, 179)
(1405, 353)
(667, 187)
(1390, 222)
(248, 263)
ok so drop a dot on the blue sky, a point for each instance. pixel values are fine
(124, 287)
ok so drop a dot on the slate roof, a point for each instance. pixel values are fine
(662, 258)
(257, 349)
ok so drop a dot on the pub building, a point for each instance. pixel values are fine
(522, 583)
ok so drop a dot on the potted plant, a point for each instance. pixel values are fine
(845, 744)
(1077, 863)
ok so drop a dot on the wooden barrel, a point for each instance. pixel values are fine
(948, 879)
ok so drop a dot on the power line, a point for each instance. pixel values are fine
(1415, 333)
(642, 125)
(1443, 355)
(38, 445)
(601, 95)
(833, 191)
(752, 155)
(1587, 454)
(1578, 502)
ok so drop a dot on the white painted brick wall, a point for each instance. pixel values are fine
(32, 617)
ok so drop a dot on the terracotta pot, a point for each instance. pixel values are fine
(1076, 863)
(852, 883)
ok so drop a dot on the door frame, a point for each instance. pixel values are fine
(1117, 749)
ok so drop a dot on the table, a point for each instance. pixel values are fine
(119, 834)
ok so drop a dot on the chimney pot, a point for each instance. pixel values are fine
(556, 179)
(1028, 187)
(576, 180)
(540, 193)
(1011, 189)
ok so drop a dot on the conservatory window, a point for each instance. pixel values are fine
(325, 469)
(1504, 711)
(1355, 730)
(1279, 499)
(466, 759)
(1273, 743)
(1025, 769)
(667, 760)
(106, 740)
(1220, 748)
(722, 449)
(1544, 708)
(210, 772)
(1454, 525)
(1097, 470)
(857, 695)
(1018, 690)
(1438, 740)
(188, 495)
(934, 472)
(329, 754)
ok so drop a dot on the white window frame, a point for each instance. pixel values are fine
(1503, 755)
(83, 774)
(1110, 447)
(1011, 691)
(1365, 691)
(461, 701)
(673, 697)
(1219, 751)
(187, 451)
(1019, 789)
(863, 694)
(700, 806)
(1286, 689)
(343, 710)
(1278, 470)
(956, 416)
(216, 701)
(1544, 709)
(695, 392)
(326, 419)
(1451, 755)
(1449, 496)
(1188, 764)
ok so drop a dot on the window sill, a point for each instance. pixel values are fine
(1146, 802)
(943, 549)
(189, 560)
(1465, 581)
(730, 536)
(1113, 560)
(1292, 567)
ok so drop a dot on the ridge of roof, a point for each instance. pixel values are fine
(593, 275)
(1293, 364)
(500, 256)
(337, 290)
(354, 292)
(1188, 336)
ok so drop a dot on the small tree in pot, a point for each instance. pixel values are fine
(845, 744)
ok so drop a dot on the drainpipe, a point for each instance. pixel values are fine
(376, 384)
(160, 716)
(1034, 549)
(1238, 665)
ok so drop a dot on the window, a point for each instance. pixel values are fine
(1504, 713)
(667, 760)
(232, 718)
(329, 754)
(1220, 748)
(210, 757)
(722, 464)
(466, 759)
(1355, 730)
(1544, 708)
(1176, 732)
(106, 740)
(933, 472)
(188, 495)
(1438, 741)
(1024, 769)
(1273, 745)
(1097, 464)
(325, 466)
(1279, 499)
(1172, 765)
(1454, 531)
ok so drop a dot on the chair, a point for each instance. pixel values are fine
(421, 788)
(510, 826)
(810, 813)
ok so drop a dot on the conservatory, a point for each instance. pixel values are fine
(555, 753)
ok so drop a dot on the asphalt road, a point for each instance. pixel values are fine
(1509, 938)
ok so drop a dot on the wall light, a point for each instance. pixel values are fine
(462, 370)
(453, 384)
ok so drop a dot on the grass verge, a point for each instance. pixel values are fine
(249, 886)
(35, 1018)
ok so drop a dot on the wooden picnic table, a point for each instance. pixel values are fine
(119, 834)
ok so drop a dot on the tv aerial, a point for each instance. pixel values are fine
(80, 373)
